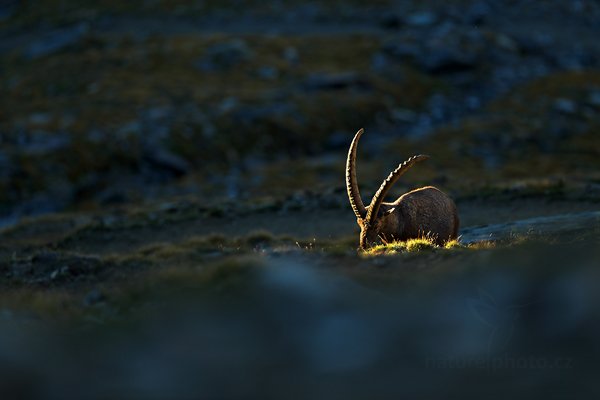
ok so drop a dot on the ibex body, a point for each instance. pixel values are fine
(421, 212)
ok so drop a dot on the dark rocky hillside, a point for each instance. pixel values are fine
(107, 104)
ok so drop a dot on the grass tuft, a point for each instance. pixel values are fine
(454, 244)
(409, 246)
(424, 244)
(420, 244)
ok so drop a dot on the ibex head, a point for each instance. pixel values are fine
(422, 211)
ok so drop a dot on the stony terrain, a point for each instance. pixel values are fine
(104, 108)
(172, 203)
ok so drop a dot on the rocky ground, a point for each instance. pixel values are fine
(172, 203)
(276, 301)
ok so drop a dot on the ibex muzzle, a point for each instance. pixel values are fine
(426, 211)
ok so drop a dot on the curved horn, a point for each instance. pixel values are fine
(388, 183)
(351, 183)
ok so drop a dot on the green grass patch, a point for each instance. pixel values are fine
(427, 244)
(411, 245)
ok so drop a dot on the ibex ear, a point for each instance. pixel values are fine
(390, 211)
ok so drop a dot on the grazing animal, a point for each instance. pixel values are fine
(426, 211)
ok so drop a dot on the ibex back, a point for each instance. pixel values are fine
(426, 211)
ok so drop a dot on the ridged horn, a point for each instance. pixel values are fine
(351, 183)
(388, 183)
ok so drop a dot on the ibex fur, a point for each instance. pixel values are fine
(426, 211)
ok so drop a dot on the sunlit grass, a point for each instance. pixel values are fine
(425, 244)
(454, 244)
(408, 246)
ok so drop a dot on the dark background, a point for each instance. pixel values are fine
(105, 103)
(173, 215)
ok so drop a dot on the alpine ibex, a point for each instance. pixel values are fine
(426, 211)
